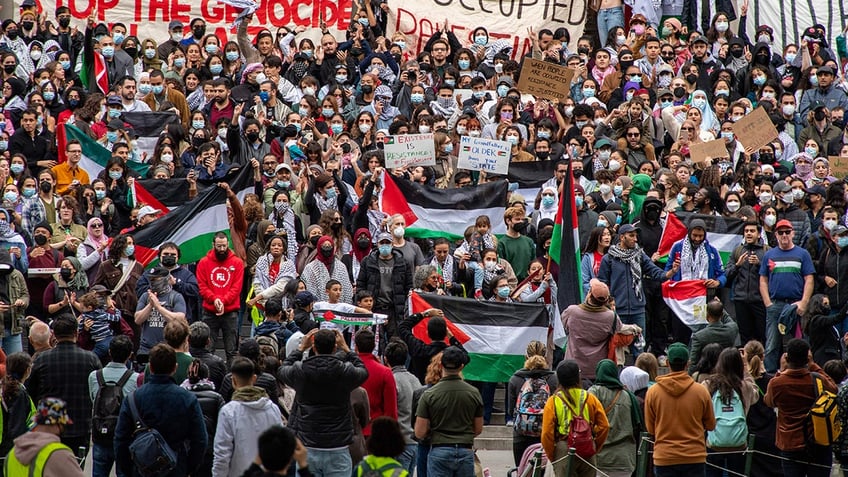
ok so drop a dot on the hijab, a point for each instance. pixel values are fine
(606, 375)
(327, 261)
(357, 252)
(80, 280)
(104, 239)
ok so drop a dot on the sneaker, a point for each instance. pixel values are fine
(510, 422)
(663, 361)
(478, 295)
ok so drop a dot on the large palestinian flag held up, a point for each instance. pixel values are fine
(191, 226)
(432, 213)
(497, 333)
(723, 233)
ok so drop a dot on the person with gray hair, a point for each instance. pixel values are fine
(199, 342)
(39, 336)
(427, 279)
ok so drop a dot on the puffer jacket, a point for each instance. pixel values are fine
(210, 404)
(369, 279)
(322, 416)
(835, 265)
(746, 277)
(800, 222)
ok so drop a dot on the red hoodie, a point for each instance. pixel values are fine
(220, 279)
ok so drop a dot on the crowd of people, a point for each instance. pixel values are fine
(96, 344)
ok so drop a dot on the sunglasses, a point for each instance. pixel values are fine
(97, 226)
(784, 232)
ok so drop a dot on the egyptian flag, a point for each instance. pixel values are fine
(687, 299)
(432, 212)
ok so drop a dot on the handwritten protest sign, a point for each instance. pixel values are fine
(755, 130)
(410, 150)
(838, 166)
(478, 154)
(544, 79)
(699, 152)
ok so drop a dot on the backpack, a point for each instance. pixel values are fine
(150, 453)
(580, 436)
(269, 345)
(107, 405)
(822, 418)
(731, 428)
(365, 470)
(529, 406)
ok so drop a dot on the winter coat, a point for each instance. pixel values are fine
(746, 277)
(369, 279)
(240, 423)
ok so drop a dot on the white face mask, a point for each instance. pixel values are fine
(491, 265)
(765, 197)
(613, 165)
(605, 189)
(830, 224)
(770, 220)
(733, 206)
(398, 231)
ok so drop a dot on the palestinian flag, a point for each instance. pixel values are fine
(94, 155)
(565, 246)
(148, 125)
(192, 226)
(95, 74)
(497, 333)
(432, 212)
(723, 233)
(687, 299)
(530, 177)
(174, 192)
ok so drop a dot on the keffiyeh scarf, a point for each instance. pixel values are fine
(446, 270)
(633, 258)
(694, 264)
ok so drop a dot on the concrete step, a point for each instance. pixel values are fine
(498, 419)
(494, 438)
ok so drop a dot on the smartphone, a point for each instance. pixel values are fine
(412, 76)
(346, 148)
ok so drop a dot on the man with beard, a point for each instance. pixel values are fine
(743, 268)
(221, 106)
(627, 262)
(698, 260)
(219, 276)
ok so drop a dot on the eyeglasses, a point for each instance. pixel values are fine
(784, 232)
(687, 129)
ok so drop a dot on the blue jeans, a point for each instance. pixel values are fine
(637, 319)
(774, 340)
(802, 463)
(408, 458)
(479, 274)
(11, 343)
(102, 458)
(609, 18)
(101, 349)
(330, 463)
(450, 462)
(680, 470)
(421, 460)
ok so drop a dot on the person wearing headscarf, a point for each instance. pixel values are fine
(324, 268)
(803, 167)
(15, 104)
(618, 456)
(709, 121)
(17, 45)
(309, 248)
(637, 381)
(273, 270)
(548, 205)
(638, 192)
(821, 172)
(69, 284)
(13, 242)
(360, 248)
(92, 252)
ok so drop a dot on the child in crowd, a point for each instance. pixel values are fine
(98, 316)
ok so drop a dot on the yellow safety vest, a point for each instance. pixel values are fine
(14, 468)
(564, 412)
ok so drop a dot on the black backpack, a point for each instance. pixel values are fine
(107, 405)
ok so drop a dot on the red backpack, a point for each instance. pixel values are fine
(580, 435)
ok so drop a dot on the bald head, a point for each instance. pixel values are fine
(39, 336)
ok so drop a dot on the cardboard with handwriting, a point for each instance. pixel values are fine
(544, 79)
(755, 130)
(699, 152)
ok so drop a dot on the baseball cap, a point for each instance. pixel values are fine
(817, 190)
(603, 142)
(698, 38)
(765, 28)
(839, 230)
(100, 290)
(626, 228)
(783, 224)
(174, 24)
(453, 358)
(304, 298)
(781, 187)
(148, 210)
(115, 124)
(678, 353)
(827, 69)
(383, 236)
(158, 272)
(506, 80)
(281, 167)
(51, 411)
(113, 101)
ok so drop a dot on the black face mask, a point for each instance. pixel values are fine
(222, 255)
(198, 141)
(425, 67)
(679, 92)
(691, 79)
(839, 123)
(819, 115)
(66, 273)
(46, 187)
(252, 136)
(169, 261)
(397, 58)
(336, 226)
(133, 52)
(12, 34)
(520, 226)
(652, 214)
(758, 180)
(668, 58)
(766, 159)
(314, 240)
(64, 22)
(355, 51)
(268, 237)
(577, 173)
(326, 252)
(543, 156)
(761, 59)
(364, 243)
(625, 64)
(198, 32)
(27, 25)
(40, 240)
(367, 89)
(737, 53)
(9, 69)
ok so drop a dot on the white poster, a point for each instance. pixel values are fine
(790, 18)
(406, 150)
(489, 155)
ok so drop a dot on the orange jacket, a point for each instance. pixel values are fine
(597, 416)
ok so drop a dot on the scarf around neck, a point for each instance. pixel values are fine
(631, 257)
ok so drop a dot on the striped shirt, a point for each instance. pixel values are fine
(786, 270)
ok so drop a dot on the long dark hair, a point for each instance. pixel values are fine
(594, 239)
(17, 367)
(117, 248)
(709, 359)
(728, 376)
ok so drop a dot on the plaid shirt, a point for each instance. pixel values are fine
(62, 372)
(32, 214)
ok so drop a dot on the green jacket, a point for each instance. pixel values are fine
(17, 291)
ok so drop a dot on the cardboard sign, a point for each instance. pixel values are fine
(410, 150)
(838, 166)
(755, 130)
(544, 79)
(699, 152)
(478, 154)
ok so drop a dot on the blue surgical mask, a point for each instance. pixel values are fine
(481, 40)
(503, 292)
(112, 136)
(385, 249)
(450, 82)
(842, 241)
(65, 64)
(331, 193)
(114, 113)
(449, 148)
(512, 140)
(479, 94)
(4, 145)
(724, 92)
(198, 124)
(341, 79)
(216, 69)
(264, 96)
(463, 64)
(811, 151)
(29, 192)
(144, 88)
(48, 95)
(699, 103)
(179, 62)
(760, 80)
(401, 44)
(10, 196)
(99, 194)
(617, 190)
(362, 21)
(232, 55)
(588, 92)
(108, 51)
(115, 175)
(283, 184)
(602, 223)
(548, 201)
(118, 37)
(502, 90)
(211, 49)
(417, 98)
(727, 135)
(307, 53)
(337, 128)
(158, 89)
(578, 201)
(543, 134)
(16, 168)
(681, 199)
(130, 250)
(327, 112)
(149, 53)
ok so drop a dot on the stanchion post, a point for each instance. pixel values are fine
(538, 465)
(749, 456)
(569, 460)
(642, 455)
